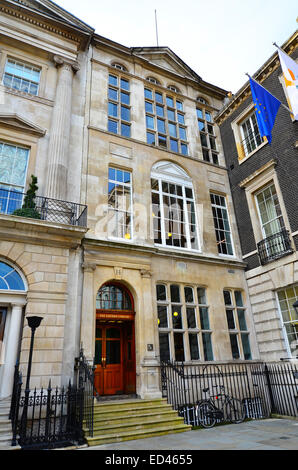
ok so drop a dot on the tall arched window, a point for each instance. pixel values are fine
(113, 297)
(173, 207)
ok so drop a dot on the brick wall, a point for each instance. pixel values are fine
(282, 149)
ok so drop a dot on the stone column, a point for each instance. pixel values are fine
(60, 130)
(150, 376)
(11, 350)
(88, 314)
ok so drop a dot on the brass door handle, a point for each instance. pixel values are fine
(104, 359)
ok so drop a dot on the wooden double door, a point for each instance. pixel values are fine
(115, 358)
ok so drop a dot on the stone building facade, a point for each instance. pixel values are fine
(155, 272)
(263, 179)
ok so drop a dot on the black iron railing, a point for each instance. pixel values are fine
(262, 388)
(52, 210)
(274, 247)
(51, 418)
(85, 380)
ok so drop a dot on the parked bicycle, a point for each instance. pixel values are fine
(219, 407)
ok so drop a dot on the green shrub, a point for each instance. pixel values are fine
(28, 209)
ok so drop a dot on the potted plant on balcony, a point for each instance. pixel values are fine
(29, 208)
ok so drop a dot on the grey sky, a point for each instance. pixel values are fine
(220, 40)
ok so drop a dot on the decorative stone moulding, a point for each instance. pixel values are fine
(62, 61)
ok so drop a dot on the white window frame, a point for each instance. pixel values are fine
(113, 210)
(284, 332)
(199, 331)
(278, 217)
(20, 77)
(229, 222)
(185, 182)
(237, 331)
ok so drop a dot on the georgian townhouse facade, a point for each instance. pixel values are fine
(163, 271)
(43, 63)
(155, 270)
(263, 179)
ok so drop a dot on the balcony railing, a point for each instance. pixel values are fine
(274, 247)
(52, 210)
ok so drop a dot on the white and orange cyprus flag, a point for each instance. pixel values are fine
(290, 74)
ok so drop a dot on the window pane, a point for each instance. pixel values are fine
(227, 297)
(148, 107)
(164, 347)
(230, 319)
(173, 130)
(161, 126)
(176, 317)
(188, 292)
(113, 126)
(201, 295)
(150, 138)
(113, 94)
(170, 101)
(207, 345)
(149, 122)
(175, 293)
(124, 84)
(174, 145)
(148, 94)
(234, 346)
(184, 149)
(113, 80)
(162, 311)
(204, 317)
(241, 319)
(161, 293)
(125, 113)
(191, 317)
(158, 97)
(159, 110)
(113, 109)
(246, 346)
(194, 347)
(125, 130)
(179, 346)
(124, 97)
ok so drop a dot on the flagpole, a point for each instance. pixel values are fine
(283, 105)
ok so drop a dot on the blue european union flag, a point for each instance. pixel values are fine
(266, 107)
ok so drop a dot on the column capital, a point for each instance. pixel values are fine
(145, 273)
(88, 267)
(67, 63)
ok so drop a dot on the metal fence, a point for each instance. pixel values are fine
(52, 210)
(263, 388)
(53, 417)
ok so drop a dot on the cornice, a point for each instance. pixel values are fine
(38, 19)
(261, 75)
(93, 245)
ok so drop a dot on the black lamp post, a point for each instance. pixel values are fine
(33, 323)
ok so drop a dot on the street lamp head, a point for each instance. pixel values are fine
(34, 322)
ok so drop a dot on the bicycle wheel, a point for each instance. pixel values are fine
(235, 411)
(205, 414)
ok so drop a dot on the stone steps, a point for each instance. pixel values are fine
(5, 426)
(123, 420)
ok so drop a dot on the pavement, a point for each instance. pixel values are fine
(266, 434)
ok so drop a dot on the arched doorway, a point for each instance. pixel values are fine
(115, 341)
